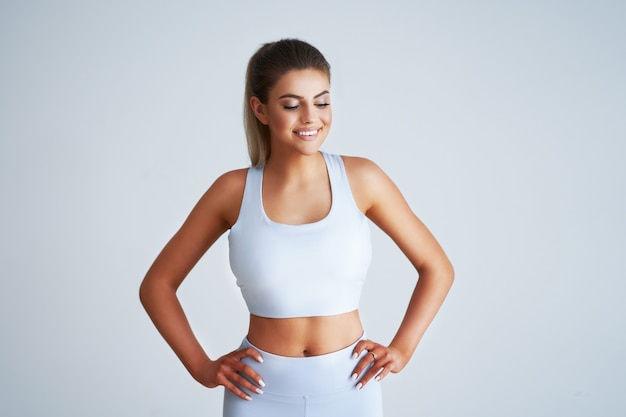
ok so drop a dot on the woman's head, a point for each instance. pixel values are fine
(266, 67)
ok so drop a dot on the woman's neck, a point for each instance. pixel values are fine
(294, 167)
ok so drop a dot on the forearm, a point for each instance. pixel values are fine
(428, 296)
(166, 312)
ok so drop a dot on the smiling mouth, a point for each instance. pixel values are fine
(308, 132)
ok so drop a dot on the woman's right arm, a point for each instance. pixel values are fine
(214, 213)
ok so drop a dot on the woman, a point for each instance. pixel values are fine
(300, 249)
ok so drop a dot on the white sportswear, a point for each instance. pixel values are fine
(313, 269)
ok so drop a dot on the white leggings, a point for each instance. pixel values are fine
(313, 386)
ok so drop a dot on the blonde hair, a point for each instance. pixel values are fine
(266, 66)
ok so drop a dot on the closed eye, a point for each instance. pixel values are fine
(296, 106)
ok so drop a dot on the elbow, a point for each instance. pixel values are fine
(147, 291)
(440, 272)
(446, 271)
(153, 289)
(449, 273)
(143, 292)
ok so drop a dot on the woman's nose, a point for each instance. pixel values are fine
(308, 114)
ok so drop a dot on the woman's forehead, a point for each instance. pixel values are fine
(306, 83)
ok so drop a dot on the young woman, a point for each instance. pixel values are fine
(299, 248)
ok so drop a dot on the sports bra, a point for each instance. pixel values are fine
(304, 270)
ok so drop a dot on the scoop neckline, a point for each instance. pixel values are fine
(300, 225)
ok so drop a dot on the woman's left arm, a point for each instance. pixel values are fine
(381, 201)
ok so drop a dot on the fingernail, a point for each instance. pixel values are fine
(259, 391)
(249, 398)
(359, 386)
(354, 376)
(261, 383)
(355, 355)
(260, 359)
(377, 378)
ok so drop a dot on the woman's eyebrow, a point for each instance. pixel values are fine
(300, 97)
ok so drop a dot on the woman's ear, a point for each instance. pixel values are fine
(259, 109)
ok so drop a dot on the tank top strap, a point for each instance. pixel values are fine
(251, 201)
(341, 191)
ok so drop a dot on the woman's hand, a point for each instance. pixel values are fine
(233, 374)
(377, 361)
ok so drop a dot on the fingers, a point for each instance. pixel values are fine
(376, 361)
(236, 376)
(248, 352)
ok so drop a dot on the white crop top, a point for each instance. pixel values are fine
(306, 270)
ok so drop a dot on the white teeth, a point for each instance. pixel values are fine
(307, 133)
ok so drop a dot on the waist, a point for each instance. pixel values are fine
(304, 336)
(295, 376)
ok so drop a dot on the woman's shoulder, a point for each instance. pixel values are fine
(224, 196)
(230, 185)
(361, 169)
(232, 179)
(367, 180)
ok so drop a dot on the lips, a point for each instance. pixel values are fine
(308, 135)
(307, 132)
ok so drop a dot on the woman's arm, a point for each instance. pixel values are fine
(215, 213)
(379, 198)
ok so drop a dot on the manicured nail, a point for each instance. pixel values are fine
(261, 383)
(377, 378)
(354, 376)
(359, 386)
(355, 355)
(249, 398)
(260, 359)
(259, 391)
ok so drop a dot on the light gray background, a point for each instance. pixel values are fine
(502, 122)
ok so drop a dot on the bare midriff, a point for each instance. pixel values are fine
(305, 336)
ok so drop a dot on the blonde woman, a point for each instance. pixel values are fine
(298, 229)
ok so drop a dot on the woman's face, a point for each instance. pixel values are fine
(297, 111)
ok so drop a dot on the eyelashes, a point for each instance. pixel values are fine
(319, 105)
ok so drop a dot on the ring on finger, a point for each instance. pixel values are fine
(374, 356)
